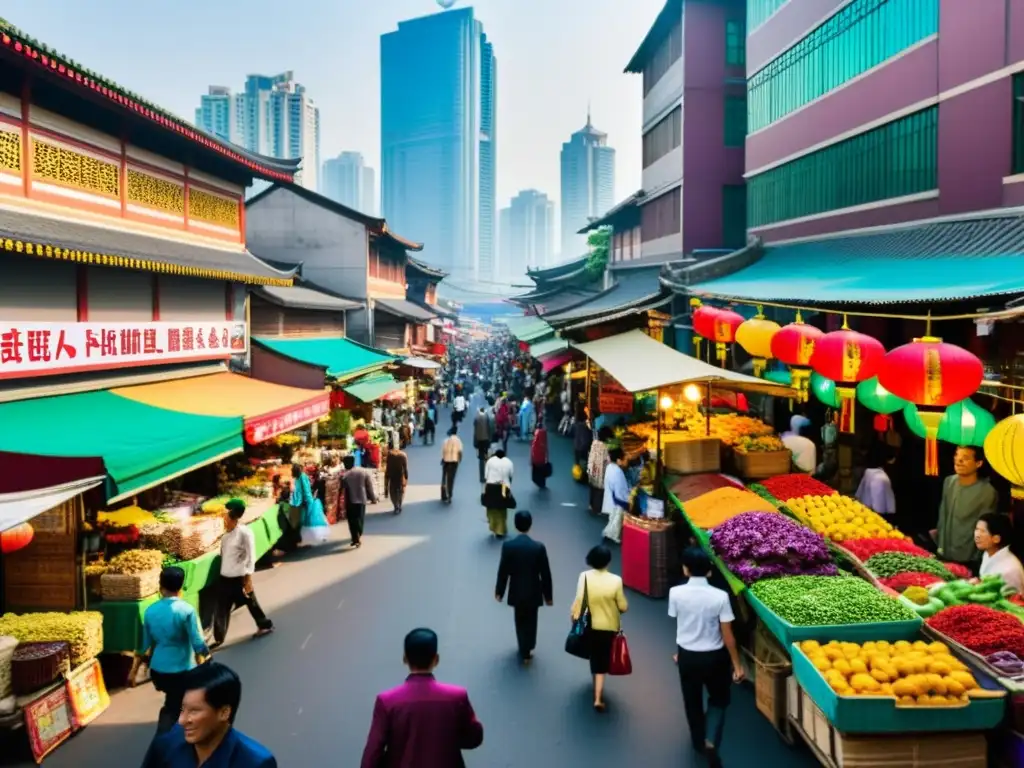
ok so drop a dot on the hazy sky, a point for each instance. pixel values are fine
(553, 56)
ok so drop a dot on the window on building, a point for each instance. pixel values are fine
(893, 160)
(1018, 123)
(734, 216)
(665, 136)
(735, 129)
(759, 11)
(862, 35)
(735, 44)
(668, 52)
(662, 216)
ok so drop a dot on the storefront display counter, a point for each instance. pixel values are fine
(648, 555)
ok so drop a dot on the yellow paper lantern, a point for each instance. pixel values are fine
(755, 336)
(1004, 451)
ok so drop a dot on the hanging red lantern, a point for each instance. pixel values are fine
(847, 358)
(932, 375)
(726, 324)
(18, 537)
(703, 321)
(793, 345)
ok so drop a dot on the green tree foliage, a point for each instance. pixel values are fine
(599, 244)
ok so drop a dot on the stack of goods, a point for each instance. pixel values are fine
(7, 646)
(982, 629)
(132, 575)
(188, 539)
(691, 486)
(126, 516)
(36, 665)
(82, 630)
(730, 428)
(841, 518)
(179, 504)
(786, 487)
(713, 508)
(762, 444)
(917, 674)
(765, 545)
(810, 601)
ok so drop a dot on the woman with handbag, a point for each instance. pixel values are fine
(599, 592)
(540, 465)
(497, 497)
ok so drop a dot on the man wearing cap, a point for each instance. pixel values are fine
(237, 565)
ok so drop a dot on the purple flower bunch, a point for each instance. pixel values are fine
(765, 545)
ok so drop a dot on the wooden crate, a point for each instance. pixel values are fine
(758, 465)
(701, 454)
(773, 671)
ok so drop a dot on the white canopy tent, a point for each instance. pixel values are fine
(18, 508)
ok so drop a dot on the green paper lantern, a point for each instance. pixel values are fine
(963, 423)
(825, 390)
(877, 398)
(783, 377)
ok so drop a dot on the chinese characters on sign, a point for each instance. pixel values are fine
(267, 427)
(613, 398)
(39, 349)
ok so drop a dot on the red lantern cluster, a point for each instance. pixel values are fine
(18, 537)
(794, 345)
(847, 358)
(717, 325)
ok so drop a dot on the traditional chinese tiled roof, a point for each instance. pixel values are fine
(613, 214)
(425, 269)
(408, 245)
(371, 222)
(17, 45)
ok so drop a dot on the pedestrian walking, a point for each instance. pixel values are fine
(497, 496)
(359, 492)
(206, 734)
(597, 463)
(503, 422)
(429, 423)
(237, 565)
(422, 723)
(540, 464)
(313, 528)
(451, 456)
(172, 644)
(582, 436)
(601, 592)
(482, 438)
(396, 478)
(706, 652)
(524, 570)
(458, 408)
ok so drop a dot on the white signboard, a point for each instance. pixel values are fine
(43, 349)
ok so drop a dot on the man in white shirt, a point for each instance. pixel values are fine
(805, 453)
(458, 408)
(498, 469)
(237, 565)
(705, 650)
(451, 455)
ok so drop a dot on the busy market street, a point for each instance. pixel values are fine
(341, 614)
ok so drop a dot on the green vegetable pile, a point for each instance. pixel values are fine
(887, 564)
(989, 591)
(814, 601)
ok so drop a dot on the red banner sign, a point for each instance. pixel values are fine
(49, 722)
(262, 428)
(613, 397)
(44, 349)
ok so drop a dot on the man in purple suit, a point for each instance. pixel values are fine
(421, 723)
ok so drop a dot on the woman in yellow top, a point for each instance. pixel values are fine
(606, 602)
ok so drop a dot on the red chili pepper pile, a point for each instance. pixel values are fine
(959, 571)
(1017, 599)
(862, 549)
(901, 581)
(982, 629)
(786, 487)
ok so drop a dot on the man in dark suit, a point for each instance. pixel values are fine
(421, 722)
(524, 569)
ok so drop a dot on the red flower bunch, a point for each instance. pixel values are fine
(127, 534)
(901, 581)
(786, 487)
(862, 549)
(959, 571)
(982, 629)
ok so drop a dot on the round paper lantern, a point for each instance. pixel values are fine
(847, 358)
(825, 390)
(703, 321)
(932, 375)
(755, 336)
(875, 397)
(1004, 451)
(18, 537)
(793, 345)
(963, 423)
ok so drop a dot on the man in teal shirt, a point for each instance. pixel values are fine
(965, 498)
(171, 643)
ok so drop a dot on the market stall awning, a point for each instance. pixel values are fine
(549, 347)
(305, 297)
(268, 410)
(405, 309)
(340, 358)
(141, 446)
(421, 362)
(553, 361)
(938, 261)
(17, 508)
(374, 387)
(528, 328)
(640, 363)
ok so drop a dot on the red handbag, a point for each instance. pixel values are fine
(620, 663)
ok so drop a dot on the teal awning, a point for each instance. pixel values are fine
(340, 358)
(374, 387)
(529, 328)
(542, 348)
(938, 261)
(141, 446)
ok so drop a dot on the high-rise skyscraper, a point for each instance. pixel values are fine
(588, 184)
(531, 234)
(505, 256)
(273, 116)
(438, 93)
(349, 181)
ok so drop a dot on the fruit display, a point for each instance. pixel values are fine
(863, 549)
(809, 601)
(916, 674)
(136, 561)
(921, 602)
(126, 516)
(763, 444)
(989, 591)
(213, 507)
(979, 628)
(902, 581)
(841, 518)
(82, 630)
(690, 424)
(766, 545)
(886, 564)
(786, 487)
(713, 508)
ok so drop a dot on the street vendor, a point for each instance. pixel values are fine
(965, 498)
(992, 536)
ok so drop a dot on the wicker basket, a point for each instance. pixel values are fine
(758, 465)
(36, 665)
(129, 586)
(702, 454)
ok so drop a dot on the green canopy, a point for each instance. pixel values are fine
(341, 358)
(140, 445)
(374, 387)
(529, 328)
(542, 348)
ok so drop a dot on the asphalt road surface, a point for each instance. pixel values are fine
(341, 615)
